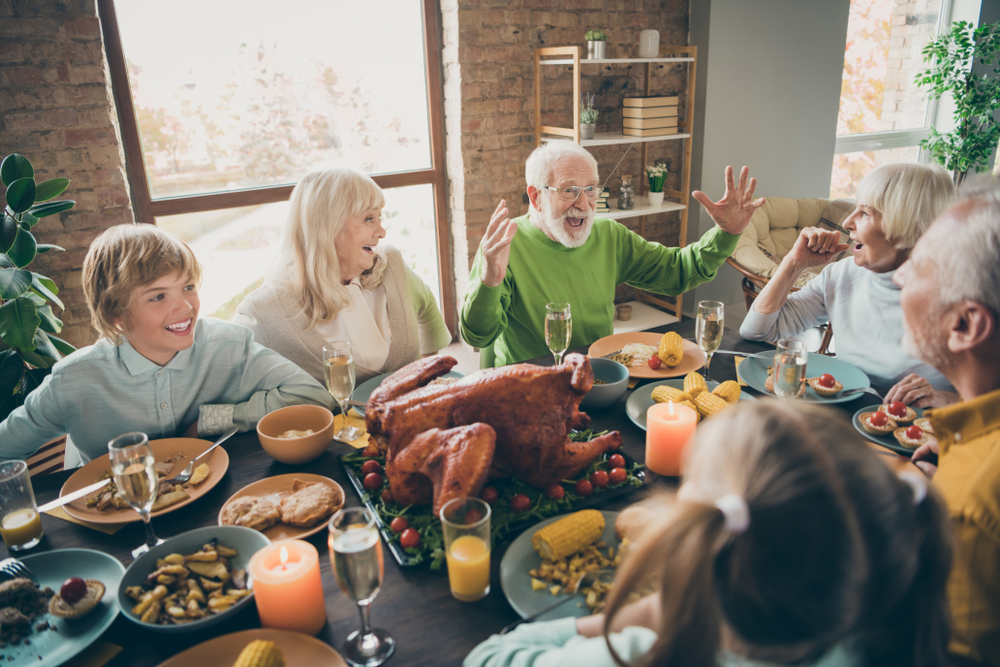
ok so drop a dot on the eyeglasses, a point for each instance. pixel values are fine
(572, 192)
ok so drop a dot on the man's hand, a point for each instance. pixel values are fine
(732, 213)
(926, 457)
(815, 247)
(496, 246)
(917, 391)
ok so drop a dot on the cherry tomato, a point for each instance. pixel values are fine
(654, 362)
(599, 478)
(399, 524)
(879, 419)
(556, 492)
(370, 467)
(372, 481)
(520, 503)
(489, 494)
(473, 516)
(617, 475)
(896, 408)
(410, 539)
(914, 432)
(827, 380)
(388, 498)
(73, 590)
(584, 488)
(616, 461)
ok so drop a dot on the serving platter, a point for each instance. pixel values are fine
(364, 390)
(274, 489)
(693, 359)
(753, 371)
(642, 399)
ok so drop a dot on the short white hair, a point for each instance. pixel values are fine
(909, 197)
(538, 168)
(968, 264)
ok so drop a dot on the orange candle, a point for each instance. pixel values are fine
(288, 587)
(669, 428)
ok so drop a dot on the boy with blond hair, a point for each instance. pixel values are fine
(157, 368)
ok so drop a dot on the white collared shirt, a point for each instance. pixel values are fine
(364, 324)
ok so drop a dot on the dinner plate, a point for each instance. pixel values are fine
(189, 448)
(52, 568)
(693, 359)
(753, 371)
(887, 441)
(642, 398)
(364, 390)
(516, 582)
(299, 650)
(274, 489)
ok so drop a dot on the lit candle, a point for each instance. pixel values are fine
(288, 587)
(669, 428)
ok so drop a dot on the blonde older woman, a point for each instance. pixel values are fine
(332, 282)
(896, 205)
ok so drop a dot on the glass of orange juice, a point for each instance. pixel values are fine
(466, 526)
(20, 525)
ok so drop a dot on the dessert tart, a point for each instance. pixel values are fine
(925, 425)
(825, 385)
(901, 414)
(911, 437)
(74, 600)
(877, 423)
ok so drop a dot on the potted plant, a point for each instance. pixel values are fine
(976, 96)
(588, 116)
(657, 175)
(597, 44)
(27, 324)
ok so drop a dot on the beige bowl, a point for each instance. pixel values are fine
(295, 451)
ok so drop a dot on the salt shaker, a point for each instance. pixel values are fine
(626, 194)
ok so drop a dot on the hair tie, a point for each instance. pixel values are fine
(736, 511)
(917, 482)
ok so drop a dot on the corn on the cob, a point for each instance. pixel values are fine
(728, 390)
(709, 404)
(665, 393)
(694, 407)
(694, 384)
(568, 535)
(671, 349)
(260, 653)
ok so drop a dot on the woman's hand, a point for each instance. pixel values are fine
(926, 457)
(815, 247)
(496, 246)
(732, 213)
(918, 392)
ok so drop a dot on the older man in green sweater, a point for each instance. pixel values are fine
(560, 252)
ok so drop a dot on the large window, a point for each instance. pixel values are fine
(224, 106)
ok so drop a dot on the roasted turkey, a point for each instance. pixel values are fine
(442, 441)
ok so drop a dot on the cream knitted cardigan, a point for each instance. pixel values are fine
(416, 327)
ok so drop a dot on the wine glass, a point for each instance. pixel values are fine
(790, 360)
(338, 363)
(558, 328)
(132, 466)
(708, 326)
(356, 556)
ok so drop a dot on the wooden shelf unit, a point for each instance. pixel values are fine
(674, 200)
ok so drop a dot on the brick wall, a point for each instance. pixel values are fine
(914, 23)
(56, 109)
(489, 100)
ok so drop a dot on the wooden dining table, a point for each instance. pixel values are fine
(414, 604)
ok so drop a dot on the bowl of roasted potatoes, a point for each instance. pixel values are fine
(191, 581)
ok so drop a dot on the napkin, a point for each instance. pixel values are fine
(106, 528)
(738, 360)
(356, 422)
(97, 654)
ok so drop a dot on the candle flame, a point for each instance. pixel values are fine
(284, 557)
(671, 408)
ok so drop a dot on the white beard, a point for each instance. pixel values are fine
(557, 228)
(920, 344)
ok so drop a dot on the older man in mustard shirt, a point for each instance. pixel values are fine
(951, 303)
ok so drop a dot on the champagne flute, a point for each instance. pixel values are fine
(132, 466)
(558, 328)
(790, 360)
(708, 326)
(338, 363)
(356, 556)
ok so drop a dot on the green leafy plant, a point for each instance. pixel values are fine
(588, 114)
(977, 97)
(657, 175)
(27, 323)
(595, 36)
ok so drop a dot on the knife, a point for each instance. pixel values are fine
(70, 497)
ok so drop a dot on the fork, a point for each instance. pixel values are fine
(867, 390)
(12, 568)
(572, 594)
(187, 472)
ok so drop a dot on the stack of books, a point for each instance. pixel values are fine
(602, 201)
(649, 116)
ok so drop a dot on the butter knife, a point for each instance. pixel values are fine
(70, 497)
(611, 355)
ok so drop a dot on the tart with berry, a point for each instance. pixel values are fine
(925, 425)
(825, 385)
(877, 423)
(76, 598)
(911, 436)
(901, 414)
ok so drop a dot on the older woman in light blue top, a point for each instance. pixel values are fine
(896, 205)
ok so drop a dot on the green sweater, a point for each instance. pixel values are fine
(511, 316)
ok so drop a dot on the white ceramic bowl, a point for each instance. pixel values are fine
(603, 396)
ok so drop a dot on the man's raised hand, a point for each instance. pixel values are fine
(732, 213)
(495, 246)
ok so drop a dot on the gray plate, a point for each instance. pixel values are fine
(753, 371)
(887, 441)
(642, 398)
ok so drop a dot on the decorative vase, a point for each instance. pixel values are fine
(655, 198)
(649, 44)
(597, 50)
(587, 130)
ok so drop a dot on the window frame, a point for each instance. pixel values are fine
(147, 209)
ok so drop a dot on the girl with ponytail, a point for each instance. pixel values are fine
(790, 543)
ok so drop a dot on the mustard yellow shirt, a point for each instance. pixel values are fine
(968, 477)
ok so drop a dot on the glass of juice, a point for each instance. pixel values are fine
(21, 526)
(466, 526)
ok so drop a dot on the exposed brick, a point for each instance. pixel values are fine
(85, 26)
(23, 76)
(11, 52)
(90, 137)
(39, 120)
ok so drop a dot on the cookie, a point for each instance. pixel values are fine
(82, 607)
(250, 511)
